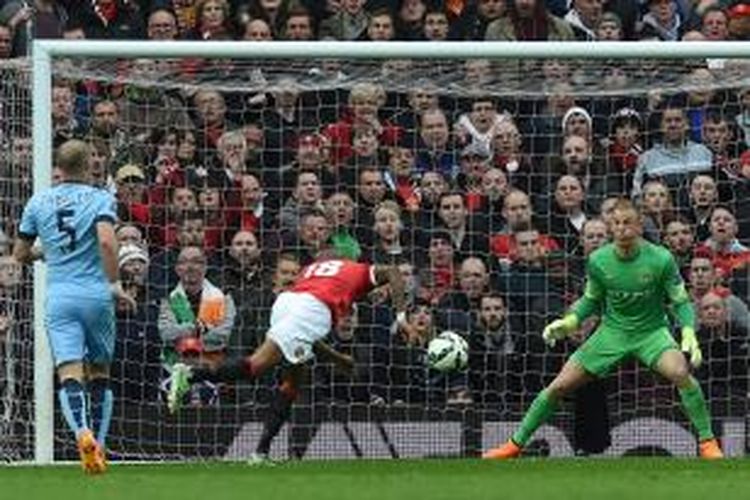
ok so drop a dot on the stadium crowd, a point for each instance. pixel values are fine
(488, 203)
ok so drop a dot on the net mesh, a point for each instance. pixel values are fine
(206, 151)
(16, 347)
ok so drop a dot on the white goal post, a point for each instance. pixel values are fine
(46, 51)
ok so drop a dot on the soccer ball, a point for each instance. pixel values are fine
(448, 352)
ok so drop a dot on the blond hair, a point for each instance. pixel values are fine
(388, 205)
(367, 91)
(73, 157)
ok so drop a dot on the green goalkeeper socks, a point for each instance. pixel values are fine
(540, 410)
(695, 407)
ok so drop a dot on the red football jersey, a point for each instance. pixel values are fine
(336, 283)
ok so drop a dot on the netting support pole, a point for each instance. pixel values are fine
(43, 369)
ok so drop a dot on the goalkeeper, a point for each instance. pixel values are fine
(634, 282)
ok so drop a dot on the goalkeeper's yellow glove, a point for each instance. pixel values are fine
(559, 329)
(690, 346)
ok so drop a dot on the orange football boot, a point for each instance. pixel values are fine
(92, 457)
(507, 451)
(710, 450)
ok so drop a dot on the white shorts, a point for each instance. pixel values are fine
(298, 320)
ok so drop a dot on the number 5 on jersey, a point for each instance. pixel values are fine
(64, 227)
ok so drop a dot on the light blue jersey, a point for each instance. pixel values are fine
(80, 309)
(64, 218)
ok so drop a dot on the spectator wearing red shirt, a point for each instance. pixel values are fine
(726, 252)
(251, 212)
(437, 277)
(132, 195)
(166, 170)
(110, 19)
(624, 150)
(400, 175)
(517, 213)
(365, 101)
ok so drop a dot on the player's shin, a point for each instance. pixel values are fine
(694, 404)
(73, 403)
(102, 399)
(541, 409)
(279, 412)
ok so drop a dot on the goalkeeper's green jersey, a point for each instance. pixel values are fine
(634, 293)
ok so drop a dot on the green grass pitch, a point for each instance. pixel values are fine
(525, 479)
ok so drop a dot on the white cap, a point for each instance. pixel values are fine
(131, 252)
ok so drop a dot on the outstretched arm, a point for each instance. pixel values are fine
(343, 362)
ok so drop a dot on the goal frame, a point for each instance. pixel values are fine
(45, 51)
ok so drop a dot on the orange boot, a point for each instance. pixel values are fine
(507, 451)
(92, 458)
(710, 450)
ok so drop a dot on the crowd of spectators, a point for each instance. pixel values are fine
(488, 203)
(668, 20)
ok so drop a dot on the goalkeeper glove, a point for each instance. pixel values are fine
(690, 346)
(559, 329)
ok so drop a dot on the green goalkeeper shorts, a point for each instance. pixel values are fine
(606, 348)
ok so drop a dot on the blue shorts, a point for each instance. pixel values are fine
(81, 329)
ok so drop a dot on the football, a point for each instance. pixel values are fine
(448, 352)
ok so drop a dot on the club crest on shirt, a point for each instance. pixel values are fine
(646, 278)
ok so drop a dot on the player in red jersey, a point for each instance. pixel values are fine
(300, 318)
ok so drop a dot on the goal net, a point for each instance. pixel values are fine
(487, 181)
